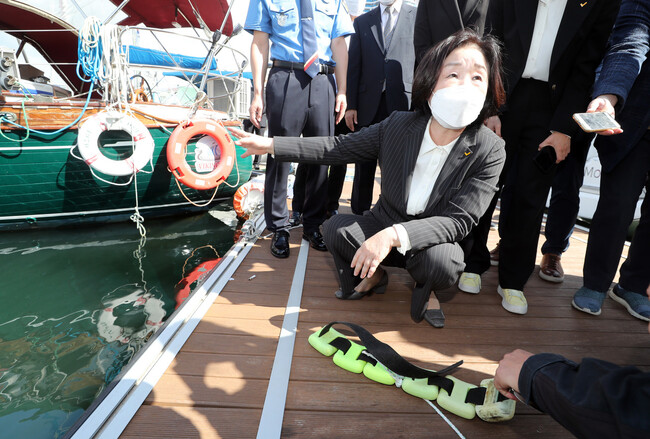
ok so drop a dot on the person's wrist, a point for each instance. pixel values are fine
(558, 132)
(612, 99)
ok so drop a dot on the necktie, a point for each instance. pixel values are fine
(388, 34)
(309, 43)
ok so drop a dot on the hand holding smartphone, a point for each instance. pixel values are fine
(596, 122)
(545, 159)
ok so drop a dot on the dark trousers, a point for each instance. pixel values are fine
(436, 267)
(523, 198)
(297, 104)
(619, 193)
(335, 180)
(565, 196)
(364, 172)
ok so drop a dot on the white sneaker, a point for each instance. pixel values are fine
(513, 300)
(470, 283)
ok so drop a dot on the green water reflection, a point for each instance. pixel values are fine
(76, 305)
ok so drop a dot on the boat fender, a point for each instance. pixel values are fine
(177, 151)
(381, 363)
(248, 197)
(88, 143)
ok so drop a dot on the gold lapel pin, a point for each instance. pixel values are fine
(583, 4)
(467, 153)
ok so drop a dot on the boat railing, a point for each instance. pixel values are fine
(227, 89)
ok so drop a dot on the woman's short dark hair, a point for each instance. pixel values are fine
(429, 69)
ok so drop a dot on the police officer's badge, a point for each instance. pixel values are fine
(282, 19)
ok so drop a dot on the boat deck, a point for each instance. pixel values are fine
(217, 385)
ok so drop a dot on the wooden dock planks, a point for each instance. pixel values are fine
(216, 386)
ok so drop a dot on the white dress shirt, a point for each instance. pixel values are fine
(547, 23)
(394, 8)
(430, 161)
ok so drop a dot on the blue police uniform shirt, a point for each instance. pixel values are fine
(281, 20)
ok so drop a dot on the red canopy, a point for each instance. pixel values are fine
(59, 47)
(162, 13)
(56, 47)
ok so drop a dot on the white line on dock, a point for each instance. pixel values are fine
(276, 395)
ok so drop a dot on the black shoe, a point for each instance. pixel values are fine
(419, 302)
(419, 308)
(295, 218)
(315, 241)
(380, 288)
(280, 244)
(328, 215)
(435, 317)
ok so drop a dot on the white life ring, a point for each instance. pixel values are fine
(152, 308)
(88, 143)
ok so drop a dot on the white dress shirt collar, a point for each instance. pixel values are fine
(547, 23)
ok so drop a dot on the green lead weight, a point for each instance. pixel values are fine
(350, 360)
(455, 402)
(456, 396)
(322, 342)
(493, 410)
(420, 387)
(377, 372)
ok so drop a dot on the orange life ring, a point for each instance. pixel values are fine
(247, 198)
(177, 150)
(184, 286)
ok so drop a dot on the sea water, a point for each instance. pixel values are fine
(77, 304)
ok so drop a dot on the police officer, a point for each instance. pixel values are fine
(308, 52)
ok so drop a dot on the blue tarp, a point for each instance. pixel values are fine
(152, 57)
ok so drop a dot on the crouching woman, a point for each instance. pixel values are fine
(439, 171)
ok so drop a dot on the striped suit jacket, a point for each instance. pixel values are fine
(466, 184)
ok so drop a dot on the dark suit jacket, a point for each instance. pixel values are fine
(593, 399)
(370, 65)
(626, 73)
(462, 193)
(579, 48)
(437, 19)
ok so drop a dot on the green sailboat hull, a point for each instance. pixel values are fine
(44, 184)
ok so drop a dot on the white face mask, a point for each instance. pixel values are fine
(457, 106)
(386, 2)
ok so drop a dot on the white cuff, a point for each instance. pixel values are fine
(403, 236)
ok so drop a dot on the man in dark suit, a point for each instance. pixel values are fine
(437, 19)
(552, 49)
(380, 74)
(622, 89)
(440, 167)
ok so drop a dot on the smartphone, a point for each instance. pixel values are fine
(545, 159)
(595, 122)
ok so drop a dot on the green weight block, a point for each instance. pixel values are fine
(322, 343)
(420, 388)
(455, 403)
(378, 373)
(350, 360)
